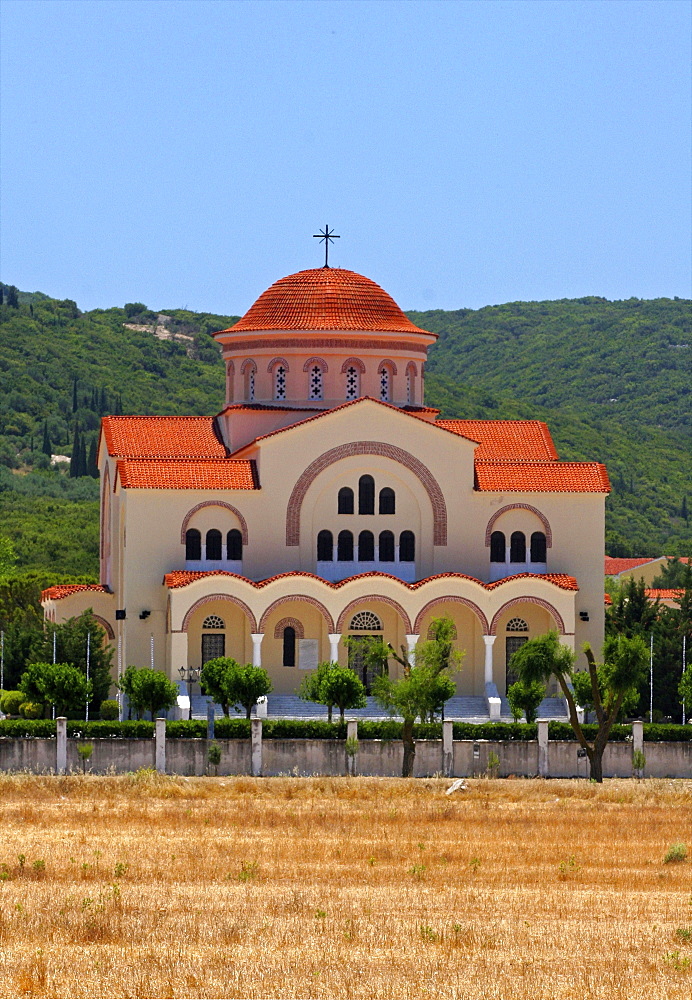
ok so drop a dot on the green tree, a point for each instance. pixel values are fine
(230, 683)
(631, 613)
(59, 685)
(12, 297)
(312, 689)
(213, 680)
(332, 685)
(71, 647)
(673, 575)
(685, 689)
(625, 662)
(524, 699)
(46, 446)
(8, 558)
(148, 690)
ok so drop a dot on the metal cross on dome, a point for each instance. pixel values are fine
(326, 236)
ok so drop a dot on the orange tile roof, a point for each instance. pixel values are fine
(607, 599)
(664, 594)
(613, 565)
(162, 437)
(180, 474)
(325, 298)
(542, 477)
(561, 580)
(506, 439)
(66, 590)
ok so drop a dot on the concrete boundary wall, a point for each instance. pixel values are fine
(300, 757)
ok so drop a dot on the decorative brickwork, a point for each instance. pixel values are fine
(411, 368)
(353, 363)
(318, 343)
(316, 362)
(214, 503)
(297, 597)
(557, 617)
(288, 623)
(248, 365)
(519, 506)
(451, 599)
(345, 615)
(383, 450)
(387, 363)
(230, 599)
(105, 625)
(278, 361)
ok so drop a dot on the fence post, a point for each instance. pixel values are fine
(210, 720)
(447, 749)
(352, 759)
(160, 738)
(256, 747)
(543, 760)
(61, 744)
(637, 744)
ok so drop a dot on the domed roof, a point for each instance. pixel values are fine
(326, 298)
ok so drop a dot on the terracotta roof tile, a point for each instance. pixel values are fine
(162, 437)
(325, 298)
(180, 474)
(506, 439)
(607, 600)
(182, 578)
(614, 566)
(561, 580)
(664, 594)
(66, 590)
(542, 477)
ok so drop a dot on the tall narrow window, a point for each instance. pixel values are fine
(366, 495)
(234, 544)
(279, 382)
(345, 500)
(538, 547)
(387, 501)
(366, 546)
(352, 382)
(407, 546)
(409, 387)
(385, 385)
(498, 547)
(213, 646)
(289, 646)
(248, 370)
(386, 548)
(316, 382)
(193, 544)
(517, 547)
(214, 545)
(325, 546)
(344, 548)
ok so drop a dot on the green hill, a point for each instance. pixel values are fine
(612, 379)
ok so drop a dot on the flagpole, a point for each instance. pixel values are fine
(651, 678)
(86, 716)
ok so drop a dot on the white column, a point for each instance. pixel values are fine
(334, 640)
(257, 648)
(489, 640)
(411, 641)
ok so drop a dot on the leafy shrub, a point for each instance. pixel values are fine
(31, 710)
(11, 701)
(22, 728)
(110, 710)
(675, 854)
(497, 731)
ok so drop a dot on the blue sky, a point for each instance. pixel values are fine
(468, 153)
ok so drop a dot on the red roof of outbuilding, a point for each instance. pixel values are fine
(67, 589)
(542, 477)
(664, 594)
(162, 437)
(613, 566)
(179, 474)
(325, 298)
(506, 439)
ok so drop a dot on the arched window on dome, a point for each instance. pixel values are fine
(344, 548)
(387, 500)
(538, 547)
(498, 546)
(517, 547)
(386, 547)
(385, 384)
(279, 382)
(407, 546)
(213, 540)
(193, 545)
(316, 383)
(366, 547)
(352, 382)
(325, 546)
(234, 545)
(249, 371)
(345, 500)
(366, 495)
(411, 373)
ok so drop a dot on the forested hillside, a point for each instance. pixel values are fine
(612, 379)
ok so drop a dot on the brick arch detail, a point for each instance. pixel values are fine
(529, 600)
(383, 450)
(411, 368)
(214, 503)
(387, 363)
(246, 365)
(352, 605)
(278, 361)
(451, 599)
(312, 362)
(288, 623)
(355, 363)
(520, 506)
(230, 366)
(105, 625)
(297, 597)
(219, 597)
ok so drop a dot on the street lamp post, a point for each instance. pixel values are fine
(190, 675)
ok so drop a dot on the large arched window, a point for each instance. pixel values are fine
(352, 382)
(325, 546)
(407, 546)
(387, 501)
(280, 382)
(538, 547)
(234, 544)
(193, 544)
(316, 389)
(345, 500)
(517, 547)
(344, 547)
(214, 545)
(498, 547)
(365, 621)
(386, 547)
(289, 659)
(366, 495)
(249, 370)
(215, 644)
(366, 546)
(385, 384)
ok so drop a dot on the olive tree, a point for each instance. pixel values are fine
(332, 685)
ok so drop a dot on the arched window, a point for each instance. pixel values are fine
(352, 382)
(411, 382)
(213, 621)
(386, 549)
(193, 544)
(387, 501)
(345, 500)
(214, 544)
(365, 621)
(498, 547)
(366, 495)
(325, 546)
(366, 547)
(315, 382)
(517, 625)
(517, 547)
(213, 645)
(344, 547)
(289, 646)
(538, 547)
(279, 382)
(234, 544)
(385, 384)
(407, 546)
(249, 369)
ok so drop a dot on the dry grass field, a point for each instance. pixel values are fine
(375, 889)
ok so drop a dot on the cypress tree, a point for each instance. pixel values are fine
(2, 294)
(75, 401)
(12, 299)
(103, 402)
(683, 509)
(46, 447)
(92, 467)
(76, 451)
